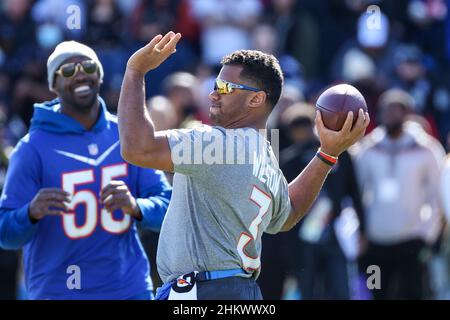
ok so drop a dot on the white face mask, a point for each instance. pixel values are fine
(48, 35)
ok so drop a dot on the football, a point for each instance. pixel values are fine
(335, 103)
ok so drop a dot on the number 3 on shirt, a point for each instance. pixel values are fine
(262, 200)
(89, 199)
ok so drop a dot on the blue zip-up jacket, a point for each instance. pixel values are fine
(86, 253)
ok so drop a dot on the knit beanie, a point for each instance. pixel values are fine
(65, 50)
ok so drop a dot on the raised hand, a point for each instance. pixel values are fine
(154, 53)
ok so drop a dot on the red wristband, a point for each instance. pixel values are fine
(328, 159)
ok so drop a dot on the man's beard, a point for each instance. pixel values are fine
(394, 129)
(82, 105)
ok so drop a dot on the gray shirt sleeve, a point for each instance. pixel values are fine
(281, 209)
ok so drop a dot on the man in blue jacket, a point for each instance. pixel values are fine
(71, 201)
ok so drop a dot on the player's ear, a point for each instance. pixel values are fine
(258, 99)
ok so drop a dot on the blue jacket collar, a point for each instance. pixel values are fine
(47, 116)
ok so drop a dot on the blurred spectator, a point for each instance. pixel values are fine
(152, 17)
(310, 252)
(164, 117)
(267, 40)
(398, 168)
(29, 87)
(289, 95)
(297, 33)
(226, 26)
(336, 23)
(360, 71)
(9, 260)
(127, 6)
(367, 60)
(281, 252)
(443, 285)
(264, 38)
(180, 89)
(52, 17)
(371, 48)
(410, 75)
(106, 33)
(7, 141)
(425, 25)
(162, 112)
(440, 102)
(105, 23)
(323, 267)
(414, 120)
(22, 39)
(17, 34)
(357, 66)
(5, 84)
(188, 25)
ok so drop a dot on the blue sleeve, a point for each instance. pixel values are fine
(154, 192)
(16, 229)
(21, 185)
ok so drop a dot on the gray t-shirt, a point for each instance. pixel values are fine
(227, 190)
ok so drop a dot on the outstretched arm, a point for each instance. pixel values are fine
(140, 144)
(304, 189)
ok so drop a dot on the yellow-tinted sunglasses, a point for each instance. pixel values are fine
(225, 87)
(68, 70)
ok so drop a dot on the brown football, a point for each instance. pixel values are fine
(335, 103)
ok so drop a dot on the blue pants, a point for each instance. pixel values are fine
(229, 288)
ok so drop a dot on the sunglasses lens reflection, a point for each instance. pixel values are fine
(222, 87)
(68, 70)
(89, 66)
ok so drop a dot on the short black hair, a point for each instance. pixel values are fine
(261, 68)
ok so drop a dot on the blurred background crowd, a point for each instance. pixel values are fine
(389, 192)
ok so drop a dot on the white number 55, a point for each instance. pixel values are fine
(89, 199)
